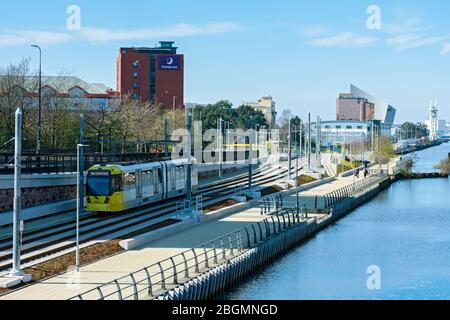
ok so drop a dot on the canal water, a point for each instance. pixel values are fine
(403, 234)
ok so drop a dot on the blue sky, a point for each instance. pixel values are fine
(303, 53)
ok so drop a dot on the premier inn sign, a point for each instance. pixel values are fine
(169, 63)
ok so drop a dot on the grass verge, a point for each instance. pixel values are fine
(219, 205)
(88, 255)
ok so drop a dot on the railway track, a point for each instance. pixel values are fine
(53, 240)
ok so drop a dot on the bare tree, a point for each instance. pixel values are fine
(17, 86)
(59, 122)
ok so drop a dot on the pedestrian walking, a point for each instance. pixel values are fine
(357, 173)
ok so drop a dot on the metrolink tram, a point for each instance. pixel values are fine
(119, 187)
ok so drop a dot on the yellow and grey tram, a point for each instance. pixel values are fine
(119, 187)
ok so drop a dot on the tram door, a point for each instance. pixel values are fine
(138, 183)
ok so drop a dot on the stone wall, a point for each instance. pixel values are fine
(37, 196)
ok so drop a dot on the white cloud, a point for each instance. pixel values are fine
(345, 39)
(18, 38)
(408, 26)
(314, 31)
(412, 33)
(410, 41)
(176, 31)
(446, 49)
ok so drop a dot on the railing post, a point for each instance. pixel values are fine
(279, 223)
(136, 296)
(100, 292)
(248, 238)
(163, 278)
(150, 285)
(274, 225)
(254, 234)
(197, 268)
(119, 291)
(215, 253)
(175, 276)
(266, 224)
(224, 254)
(231, 245)
(186, 266)
(206, 257)
(260, 231)
(239, 239)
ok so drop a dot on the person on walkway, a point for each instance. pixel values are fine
(366, 172)
(357, 173)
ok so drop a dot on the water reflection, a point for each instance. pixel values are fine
(405, 231)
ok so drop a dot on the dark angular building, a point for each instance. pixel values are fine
(152, 74)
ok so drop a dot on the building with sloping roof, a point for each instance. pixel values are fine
(79, 93)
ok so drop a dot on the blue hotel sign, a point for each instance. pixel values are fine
(169, 63)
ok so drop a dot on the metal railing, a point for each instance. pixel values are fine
(355, 188)
(271, 204)
(156, 279)
(62, 162)
(199, 204)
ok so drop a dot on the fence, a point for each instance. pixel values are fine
(346, 192)
(62, 163)
(271, 204)
(158, 278)
(66, 162)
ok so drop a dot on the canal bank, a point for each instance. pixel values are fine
(403, 232)
(277, 235)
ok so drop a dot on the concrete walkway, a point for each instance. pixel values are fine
(71, 284)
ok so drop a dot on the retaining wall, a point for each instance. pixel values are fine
(215, 280)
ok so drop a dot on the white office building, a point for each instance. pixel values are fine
(342, 132)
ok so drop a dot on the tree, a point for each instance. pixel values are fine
(16, 83)
(243, 114)
(209, 114)
(59, 122)
(135, 122)
(410, 130)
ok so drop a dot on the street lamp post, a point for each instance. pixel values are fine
(220, 145)
(38, 138)
(173, 113)
(309, 142)
(80, 204)
(289, 149)
(16, 268)
(297, 142)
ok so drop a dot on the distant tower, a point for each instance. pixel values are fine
(433, 121)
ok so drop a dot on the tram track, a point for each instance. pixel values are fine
(54, 240)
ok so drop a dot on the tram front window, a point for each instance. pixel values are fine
(99, 186)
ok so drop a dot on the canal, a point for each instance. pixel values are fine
(404, 233)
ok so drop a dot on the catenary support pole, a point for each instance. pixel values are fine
(166, 137)
(250, 156)
(309, 142)
(289, 137)
(220, 146)
(79, 206)
(189, 167)
(16, 268)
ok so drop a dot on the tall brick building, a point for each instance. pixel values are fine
(152, 74)
(352, 108)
